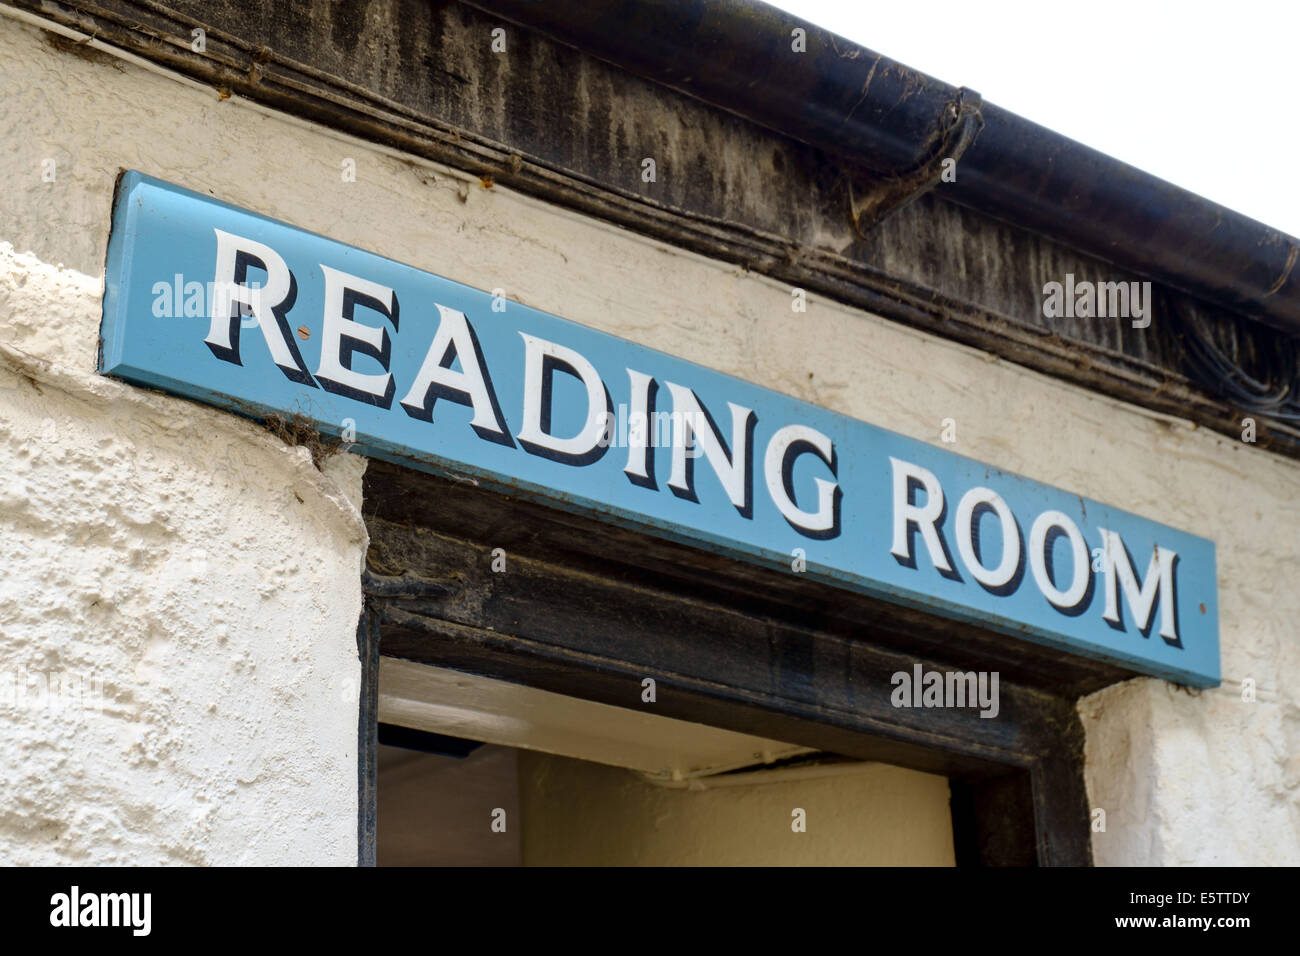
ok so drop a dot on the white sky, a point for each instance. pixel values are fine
(1203, 94)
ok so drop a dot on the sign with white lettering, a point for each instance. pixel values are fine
(222, 305)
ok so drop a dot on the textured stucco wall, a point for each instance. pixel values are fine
(1208, 779)
(1198, 779)
(205, 574)
(584, 814)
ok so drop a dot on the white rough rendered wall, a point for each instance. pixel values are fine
(1200, 779)
(206, 573)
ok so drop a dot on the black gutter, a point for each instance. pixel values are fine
(882, 116)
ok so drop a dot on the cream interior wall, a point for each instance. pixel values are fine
(1206, 778)
(586, 814)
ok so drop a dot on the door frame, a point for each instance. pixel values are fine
(463, 578)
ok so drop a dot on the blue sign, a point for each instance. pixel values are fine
(218, 304)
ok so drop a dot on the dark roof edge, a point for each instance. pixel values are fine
(882, 116)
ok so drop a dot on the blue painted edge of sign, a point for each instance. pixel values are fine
(111, 363)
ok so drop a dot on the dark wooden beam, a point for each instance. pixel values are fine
(989, 818)
(468, 522)
(367, 738)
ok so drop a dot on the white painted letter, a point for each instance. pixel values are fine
(733, 466)
(231, 289)
(1068, 599)
(335, 372)
(778, 470)
(541, 360)
(965, 531)
(1141, 601)
(471, 386)
(640, 468)
(905, 513)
